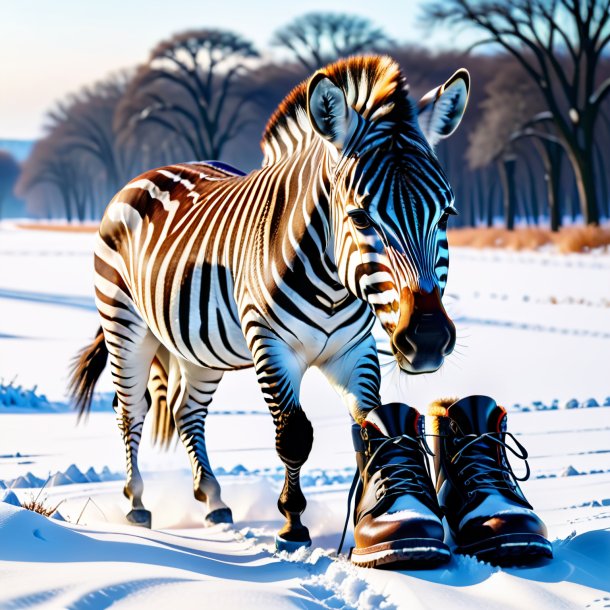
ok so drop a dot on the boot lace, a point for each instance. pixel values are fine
(480, 467)
(393, 481)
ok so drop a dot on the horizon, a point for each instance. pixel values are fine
(47, 42)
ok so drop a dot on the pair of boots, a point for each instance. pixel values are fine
(398, 514)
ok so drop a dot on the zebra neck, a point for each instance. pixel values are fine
(294, 228)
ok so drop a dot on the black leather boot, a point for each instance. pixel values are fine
(397, 519)
(478, 492)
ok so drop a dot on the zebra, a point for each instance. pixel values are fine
(200, 270)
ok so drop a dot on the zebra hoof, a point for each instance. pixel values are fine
(220, 515)
(281, 544)
(140, 517)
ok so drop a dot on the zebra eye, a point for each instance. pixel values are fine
(360, 218)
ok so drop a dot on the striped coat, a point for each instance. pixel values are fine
(201, 270)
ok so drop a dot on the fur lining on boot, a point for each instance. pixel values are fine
(439, 407)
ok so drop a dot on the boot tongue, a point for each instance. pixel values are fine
(393, 419)
(477, 414)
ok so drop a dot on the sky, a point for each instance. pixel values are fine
(50, 48)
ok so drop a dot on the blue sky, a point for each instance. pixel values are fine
(51, 48)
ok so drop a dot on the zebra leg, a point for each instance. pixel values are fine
(130, 362)
(354, 374)
(190, 407)
(279, 372)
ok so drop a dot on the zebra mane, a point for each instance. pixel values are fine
(373, 85)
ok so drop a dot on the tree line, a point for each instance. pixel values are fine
(530, 149)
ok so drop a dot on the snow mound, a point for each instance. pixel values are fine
(590, 403)
(12, 395)
(59, 478)
(219, 564)
(554, 405)
(76, 475)
(108, 475)
(27, 481)
(9, 497)
(92, 476)
(589, 551)
(26, 534)
(71, 476)
(201, 567)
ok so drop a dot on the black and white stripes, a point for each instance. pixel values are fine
(281, 269)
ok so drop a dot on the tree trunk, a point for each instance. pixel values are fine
(507, 175)
(491, 200)
(584, 173)
(480, 191)
(551, 161)
(531, 196)
(574, 202)
(602, 178)
(552, 196)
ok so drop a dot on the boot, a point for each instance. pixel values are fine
(478, 492)
(397, 519)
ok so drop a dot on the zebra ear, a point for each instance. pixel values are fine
(327, 110)
(442, 109)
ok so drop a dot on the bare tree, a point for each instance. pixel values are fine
(316, 39)
(84, 124)
(559, 44)
(504, 120)
(189, 88)
(59, 170)
(510, 101)
(79, 162)
(83, 160)
(9, 172)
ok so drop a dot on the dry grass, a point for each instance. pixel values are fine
(64, 228)
(40, 506)
(567, 240)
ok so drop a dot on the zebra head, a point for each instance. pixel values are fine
(390, 199)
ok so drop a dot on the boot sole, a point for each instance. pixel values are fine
(407, 554)
(510, 549)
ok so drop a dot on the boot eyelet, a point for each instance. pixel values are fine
(470, 494)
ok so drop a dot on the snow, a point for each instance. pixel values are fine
(14, 395)
(533, 332)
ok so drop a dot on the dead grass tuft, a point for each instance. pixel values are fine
(567, 240)
(582, 239)
(40, 506)
(64, 228)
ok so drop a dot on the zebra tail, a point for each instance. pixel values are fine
(163, 424)
(86, 369)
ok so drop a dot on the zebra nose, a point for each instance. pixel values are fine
(425, 334)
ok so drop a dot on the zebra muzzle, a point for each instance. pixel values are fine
(425, 334)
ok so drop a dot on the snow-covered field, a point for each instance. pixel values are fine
(534, 332)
